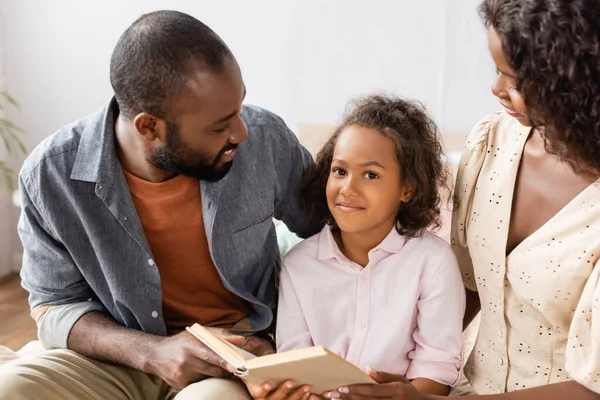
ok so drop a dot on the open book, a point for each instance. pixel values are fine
(314, 366)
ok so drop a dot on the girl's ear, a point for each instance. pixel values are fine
(407, 192)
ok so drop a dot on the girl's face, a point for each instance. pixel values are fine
(504, 86)
(365, 189)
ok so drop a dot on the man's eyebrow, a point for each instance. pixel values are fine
(225, 118)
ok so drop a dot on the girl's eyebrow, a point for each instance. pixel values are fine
(367, 164)
(372, 164)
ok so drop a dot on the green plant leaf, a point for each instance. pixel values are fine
(6, 123)
(10, 137)
(10, 99)
(6, 140)
(15, 140)
(6, 177)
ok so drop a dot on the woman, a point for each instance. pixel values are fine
(526, 228)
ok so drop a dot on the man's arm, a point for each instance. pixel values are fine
(58, 294)
(179, 360)
(290, 160)
(67, 318)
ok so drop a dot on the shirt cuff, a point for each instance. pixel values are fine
(444, 373)
(55, 325)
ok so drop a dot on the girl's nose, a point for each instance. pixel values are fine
(347, 188)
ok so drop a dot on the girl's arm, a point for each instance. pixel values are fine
(292, 331)
(437, 358)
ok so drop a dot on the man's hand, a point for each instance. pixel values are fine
(252, 344)
(182, 359)
(285, 391)
(389, 386)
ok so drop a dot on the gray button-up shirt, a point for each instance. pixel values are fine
(85, 248)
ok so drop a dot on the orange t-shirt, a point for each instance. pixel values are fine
(192, 290)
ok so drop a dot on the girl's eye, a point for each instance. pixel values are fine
(371, 175)
(219, 131)
(338, 172)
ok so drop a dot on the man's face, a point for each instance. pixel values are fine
(201, 137)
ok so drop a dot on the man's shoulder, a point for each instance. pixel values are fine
(257, 116)
(55, 155)
(263, 124)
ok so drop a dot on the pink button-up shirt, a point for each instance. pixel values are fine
(400, 314)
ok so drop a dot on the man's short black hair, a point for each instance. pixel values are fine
(153, 58)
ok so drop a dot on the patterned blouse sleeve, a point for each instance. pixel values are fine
(464, 190)
(583, 345)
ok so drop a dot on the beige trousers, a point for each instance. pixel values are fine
(463, 388)
(66, 375)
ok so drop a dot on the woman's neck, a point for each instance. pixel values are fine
(357, 245)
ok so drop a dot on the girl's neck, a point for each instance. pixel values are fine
(357, 245)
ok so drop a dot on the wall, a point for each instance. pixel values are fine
(6, 208)
(303, 59)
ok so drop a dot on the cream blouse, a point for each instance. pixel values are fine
(540, 315)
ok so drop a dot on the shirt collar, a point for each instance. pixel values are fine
(328, 248)
(96, 156)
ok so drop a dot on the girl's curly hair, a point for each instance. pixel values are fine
(554, 48)
(419, 154)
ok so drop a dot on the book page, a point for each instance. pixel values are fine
(232, 354)
(314, 366)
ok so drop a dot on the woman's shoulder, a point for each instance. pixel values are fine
(493, 129)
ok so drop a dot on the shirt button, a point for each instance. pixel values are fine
(150, 262)
(500, 361)
(500, 333)
(364, 277)
(154, 314)
(362, 325)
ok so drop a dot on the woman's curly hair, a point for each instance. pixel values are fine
(554, 48)
(419, 154)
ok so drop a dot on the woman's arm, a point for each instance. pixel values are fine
(473, 307)
(425, 385)
(557, 391)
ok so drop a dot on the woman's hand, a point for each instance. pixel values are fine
(285, 391)
(389, 386)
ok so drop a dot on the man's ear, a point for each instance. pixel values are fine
(150, 127)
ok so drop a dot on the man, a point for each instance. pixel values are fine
(150, 215)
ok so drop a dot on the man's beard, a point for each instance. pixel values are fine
(175, 157)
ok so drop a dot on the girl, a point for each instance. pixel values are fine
(375, 286)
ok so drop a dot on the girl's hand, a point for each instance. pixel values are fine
(284, 392)
(389, 386)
